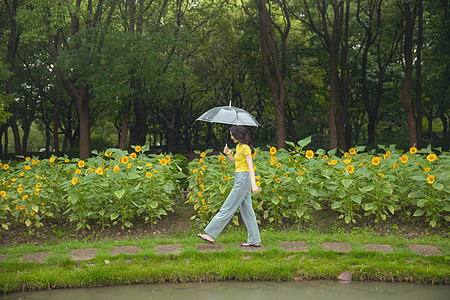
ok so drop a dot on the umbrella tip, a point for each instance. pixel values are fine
(230, 103)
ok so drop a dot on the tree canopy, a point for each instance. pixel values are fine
(135, 72)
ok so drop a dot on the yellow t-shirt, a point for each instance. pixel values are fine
(240, 162)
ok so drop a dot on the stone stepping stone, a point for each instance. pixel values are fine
(124, 249)
(168, 249)
(385, 248)
(251, 249)
(296, 246)
(337, 246)
(425, 249)
(207, 248)
(36, 256)
(82, 254)
(2, 257)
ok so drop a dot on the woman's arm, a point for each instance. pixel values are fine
(249, 160)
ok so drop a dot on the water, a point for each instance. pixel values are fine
(310, 290)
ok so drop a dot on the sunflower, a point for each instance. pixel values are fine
(278, 180)
(226, 177)
(273, 162)
(431, 157)
(74, 180)
(133, 156)
(325, 156)
(309, 154)
(300, 172)
(199, 194)
(81, 164)
(27, 167)
(404, 159)
(52, 159)
(272, 150)
(3, 193)
(278, 165)
(77, 171)
(427, 169)
(258, 183)
(149, 175)
(6, 166)
(376, 160)
(124, 159)
(36, 192)
(350, 169)
(203, 154)
(20, 190)
(99, 171)
(412, 150)
(163, 161)
(32, 213)
(149, 165)
(200, 161)
(347, 161)
(24, 197)
(28, 158)
(430, 179)
(129, 165)
(137, 148)
(352, 151)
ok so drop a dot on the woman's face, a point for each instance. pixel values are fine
(233, 138)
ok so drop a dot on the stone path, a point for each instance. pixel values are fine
(175, 249)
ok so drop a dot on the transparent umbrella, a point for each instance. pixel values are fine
(228, 115)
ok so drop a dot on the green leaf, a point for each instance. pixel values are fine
(391, 209)
(369, 206)
(347, 182)
(128, 224)
(275, 200)
(438, 186)
(347, 219)
(5, 226)
(367, 188)
(313, 192)
(304, 142)
(356, 198)
(222, 189)
(418, 213)
(416, 194)
(132, 176)
(266, 214)
(418, 178)
(433, 223)
(421, 202)
(119, 194)
(114, 216)
(154, 204)
(336, 205)
(28, 223)
(299, 179)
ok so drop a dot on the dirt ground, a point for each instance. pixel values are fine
(179, 223)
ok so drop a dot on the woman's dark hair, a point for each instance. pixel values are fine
(240, 133)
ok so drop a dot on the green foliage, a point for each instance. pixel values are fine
(112, 188)
(358, 184)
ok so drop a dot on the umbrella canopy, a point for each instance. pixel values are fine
(228, 115)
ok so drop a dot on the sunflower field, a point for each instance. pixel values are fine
(111, 188)
(356, 184)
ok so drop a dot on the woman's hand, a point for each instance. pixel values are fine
(255, 189)
(226, 150)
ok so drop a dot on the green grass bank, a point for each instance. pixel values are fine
(271, 263)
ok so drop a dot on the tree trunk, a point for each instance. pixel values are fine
(13, 42)
(124, 125)
(407, 52)
(56, 116)
(419, 114)
(272, 71)
(83, 116)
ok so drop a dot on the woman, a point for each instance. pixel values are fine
(240, 195)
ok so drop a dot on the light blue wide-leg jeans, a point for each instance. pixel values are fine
(240, 196)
